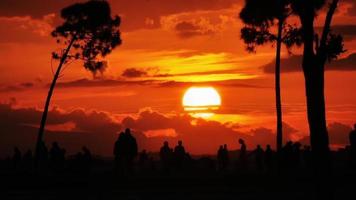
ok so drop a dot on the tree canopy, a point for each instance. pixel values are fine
(91, 29)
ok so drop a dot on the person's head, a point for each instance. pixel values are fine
(241, 141)
(225, 146)
(258, 146)
(165, 144)
(127, 131)
(355, 126)
(268, 146)
(180, 142)
(221, 146)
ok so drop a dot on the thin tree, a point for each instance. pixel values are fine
(88, 33)
(260, 17)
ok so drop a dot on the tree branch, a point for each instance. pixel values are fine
(322, 49)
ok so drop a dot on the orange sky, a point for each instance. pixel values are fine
(168, 46)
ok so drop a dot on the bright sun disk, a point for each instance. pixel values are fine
(197, 99)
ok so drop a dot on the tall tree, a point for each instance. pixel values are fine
(89, 33)
(260, 17)
(315, 54)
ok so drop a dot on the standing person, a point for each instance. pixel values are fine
(42, 157)
(130, 151)
(179, 154)
(259, 157)
(55, 157)
(268, 157)
(352, 138)
(118, 150)
(243, 154)
(220, 157)
(87, 159)
(165, 155)
(225, 157)
(143, 160)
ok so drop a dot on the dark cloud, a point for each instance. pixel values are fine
(212, 72)
(187, 29)
(95, 129)
(136, 14)
(225, 83)
(263, 135)
(352, 9)
(102, 83)
(338, 135)
(157, 83)
(201, 136)
(25, 29)
(98, 130)
(133, 73)
(17, 87)
(348, 31)
(34, 8)
(293, 64)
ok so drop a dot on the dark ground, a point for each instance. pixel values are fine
(196, 183)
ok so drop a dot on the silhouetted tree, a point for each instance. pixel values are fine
(315, 54)
(88, 32)
(259, 17)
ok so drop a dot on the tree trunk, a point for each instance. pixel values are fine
(48, 100)
(313, 68)
(278, 86)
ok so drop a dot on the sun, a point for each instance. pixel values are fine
(201, 99)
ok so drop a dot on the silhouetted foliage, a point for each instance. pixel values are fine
(259, 16)
(92, 32)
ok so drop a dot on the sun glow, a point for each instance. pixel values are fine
(201, 100)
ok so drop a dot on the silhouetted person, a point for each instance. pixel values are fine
(143, 160)
(86, 159)
(352, 138)
(57, 157)
(131, 150)
(243, 154)
(118, 152)
(42, 156)
(165, 155)
(287, 155)
(16, 158)
(259, 157)
(179, 154)
(225, 157)
(268, 157)
(220, 157)
(125, 151)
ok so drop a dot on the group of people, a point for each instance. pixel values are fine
(53, 159)
(262, 158)
(126, 151)
(173, 158)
